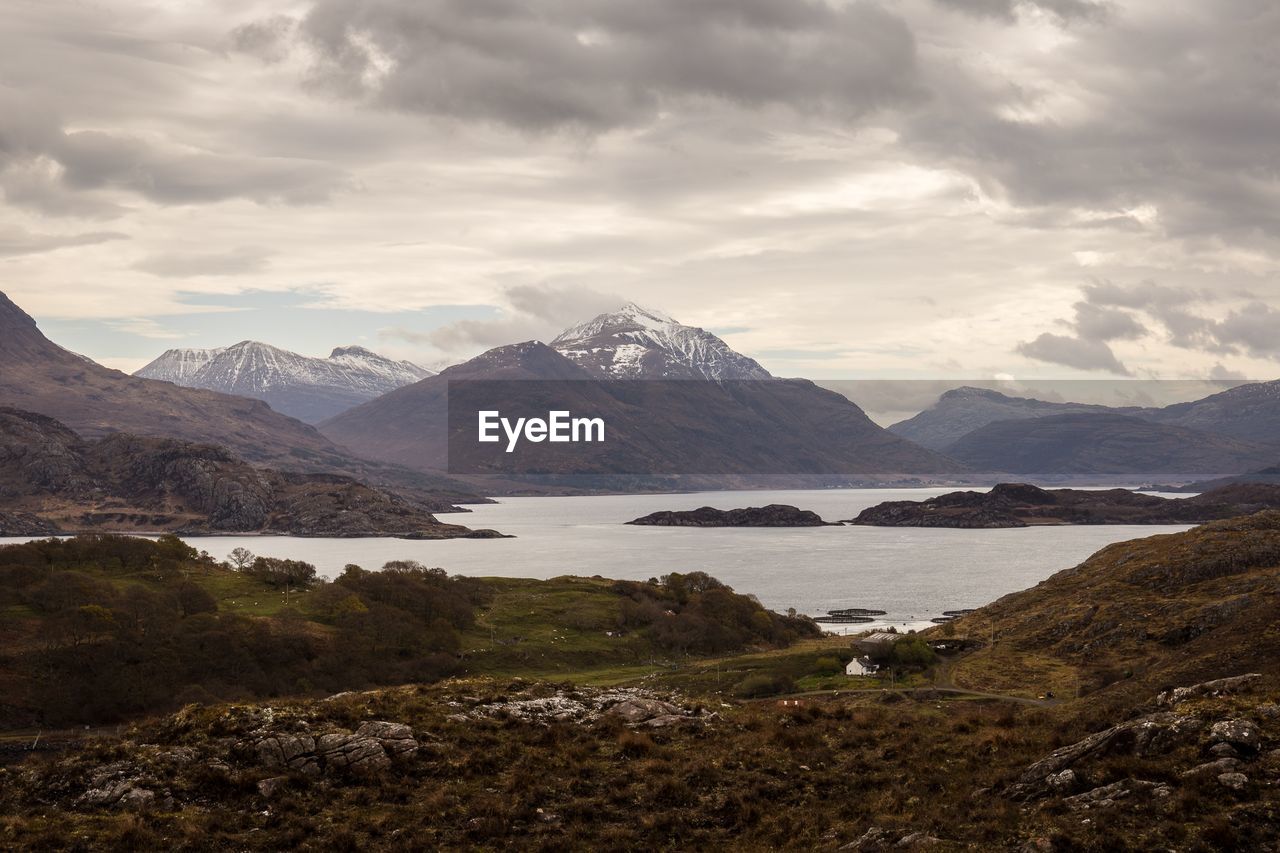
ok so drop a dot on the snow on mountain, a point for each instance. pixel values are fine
(640, 343)
(310, 389)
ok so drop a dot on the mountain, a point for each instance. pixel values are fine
(960, 411)
(1247, 412)
(772, 426)
(37, 375)
(1269, 476)
(309, 389)
(1024, 505)
(1089, 444)
(639, 343)
(129, 482)
(1143, 614)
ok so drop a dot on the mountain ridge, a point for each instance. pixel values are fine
(310, 389)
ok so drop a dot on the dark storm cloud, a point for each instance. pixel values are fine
(1073, 352)
(598, 64)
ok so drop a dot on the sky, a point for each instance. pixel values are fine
(863, 189)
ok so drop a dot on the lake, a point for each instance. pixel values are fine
(912, 573)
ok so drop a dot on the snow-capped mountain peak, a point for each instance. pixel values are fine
(310, 389)
(636, 342)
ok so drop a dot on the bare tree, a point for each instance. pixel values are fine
(241, 558)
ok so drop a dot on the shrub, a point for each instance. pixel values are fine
(764, 684)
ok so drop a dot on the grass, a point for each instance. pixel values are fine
(1017, 672)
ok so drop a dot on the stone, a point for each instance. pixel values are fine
(1233, 781)
(639, 709)
(1064, 780)
(396, 738)
(361, 755)
(270, 787)
(1222, 765)
(1238, 733)
(1108, 795)
(1208, 688)
(1223, 750)
(1151, 735)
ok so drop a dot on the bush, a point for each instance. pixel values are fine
(764, 684)
(911, 652)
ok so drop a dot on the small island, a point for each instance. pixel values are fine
(773, 515)
(1024, 505)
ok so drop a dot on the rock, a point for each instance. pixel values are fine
(1270, 711)
(396, 738)
(270, 787)
(360, 755)
(1108, 795)
(1063, 781)
(1222, 765)
(1233, 781)
(773, 515)
(1238, 733)
(873, 840)
(1223, 750)
(917, 841)
(638, 710)
(1151, 735)
(664, 720)
(1208, 688)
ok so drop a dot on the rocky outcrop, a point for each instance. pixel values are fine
(633, 706)
(371, 748)
(1217, 687)
(773, 515)
(54, 481)
(1024, 505)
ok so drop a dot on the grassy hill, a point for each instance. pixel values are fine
(590, 714)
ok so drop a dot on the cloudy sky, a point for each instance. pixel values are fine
(889, 188)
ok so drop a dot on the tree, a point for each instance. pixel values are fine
(240, 559)
(282, 573)
(193, 599)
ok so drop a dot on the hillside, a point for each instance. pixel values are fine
(37, 375)
(1104, 445)
(960, 411)
(1140, 615)
(1249, 412)
(757, 427)
(59, 483)
(641, 747)
(309, 389)
(1024, 505)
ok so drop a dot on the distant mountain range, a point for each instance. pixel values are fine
(55, 481)
(640, 343)
(793, 426)
(309, 389)
(37, 375)
(1228, 433)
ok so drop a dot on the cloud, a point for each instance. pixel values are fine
(1073, 352)
(1008, 9)
(241, 261)
(596, 64)
(1252, 329)
(17, 241)
(537, 312)
(1106, 324)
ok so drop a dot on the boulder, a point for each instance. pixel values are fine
(639, 709)
(1208, 688)
(1108, 795)
(1151, 735)
(1242, 734)
(1233, 781)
